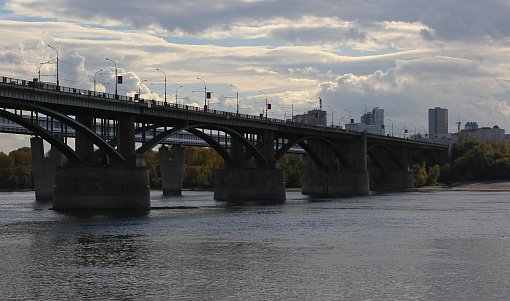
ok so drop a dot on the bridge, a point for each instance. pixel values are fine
(112, 133)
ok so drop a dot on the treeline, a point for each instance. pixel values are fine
(472, 161)
(200, 164)
(16, 169)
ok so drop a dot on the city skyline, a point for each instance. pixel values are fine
(349, 54)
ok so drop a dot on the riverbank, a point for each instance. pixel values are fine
(470, 186)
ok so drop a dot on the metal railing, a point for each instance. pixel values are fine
(160, 104)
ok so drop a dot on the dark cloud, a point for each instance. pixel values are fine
(451, 20)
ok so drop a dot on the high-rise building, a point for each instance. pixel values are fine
(374, 117)
(438, 121)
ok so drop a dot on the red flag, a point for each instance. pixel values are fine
(208, 94)
(119, 79)
(269, 106)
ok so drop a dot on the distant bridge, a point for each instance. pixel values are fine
(113, 132)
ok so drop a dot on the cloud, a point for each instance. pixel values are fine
(456, 20)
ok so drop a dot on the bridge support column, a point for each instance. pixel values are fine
(172, 171)
(245, 184)
(243, 181)
(392, 181)
(325, 183)
(331, 182)
(44, 169)
(93, 187)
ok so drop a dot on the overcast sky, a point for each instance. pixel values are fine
(404, 56)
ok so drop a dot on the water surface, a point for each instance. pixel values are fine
(429, 246)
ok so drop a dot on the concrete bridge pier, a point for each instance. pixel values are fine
(172, 171)
(392, 181)
(332, 180)
(394, 178)
(250, 181)
(44, 169)
(88, 186)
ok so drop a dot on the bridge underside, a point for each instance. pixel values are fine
(105, 171)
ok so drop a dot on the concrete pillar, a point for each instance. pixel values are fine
(126, 136)
(392, 181)
(83, 146)
(333, 183)
(243, 184)
(243, 181)
(330, 182)
(89, 186)
(102, 188)
(172, 171)
(44, 169)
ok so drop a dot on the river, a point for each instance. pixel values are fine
(441, 245)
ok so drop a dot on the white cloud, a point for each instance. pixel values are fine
(403, 56)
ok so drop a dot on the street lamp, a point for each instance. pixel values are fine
(391, 127)
(176, 94)
(332, 116)
(165, 82)
(116, 76)
(292, 106)
(205, 94)
(350, 117)
(57, 62)
(95, 80)
(266, 103)
(140, 88)
(40, 64)
(237, 99)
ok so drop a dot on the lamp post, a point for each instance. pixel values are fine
(414, 130)
(292, 108)
(57, 62)
(165, 82)
(116, 76)
(176, 94)
(391, 127)
(266, 103)
(140, 88)
(205, 93)
(404, 128)
(350, 117)
(40, 64)
(237, 99)
(332, 115)
(95, 80)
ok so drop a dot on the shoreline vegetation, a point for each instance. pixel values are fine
(503, 185)
(480, 166)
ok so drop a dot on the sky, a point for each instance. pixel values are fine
(404, 56)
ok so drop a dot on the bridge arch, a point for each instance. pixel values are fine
(43, 133)
(147, 146)
(425, 155)
(313, 155)
(381, 155)
(79, 127)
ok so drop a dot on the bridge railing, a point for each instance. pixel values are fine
(152, 102)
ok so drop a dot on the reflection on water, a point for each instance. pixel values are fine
(440, 245)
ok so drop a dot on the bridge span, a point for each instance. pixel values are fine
(113, 133)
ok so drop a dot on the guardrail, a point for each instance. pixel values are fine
(152, 102)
